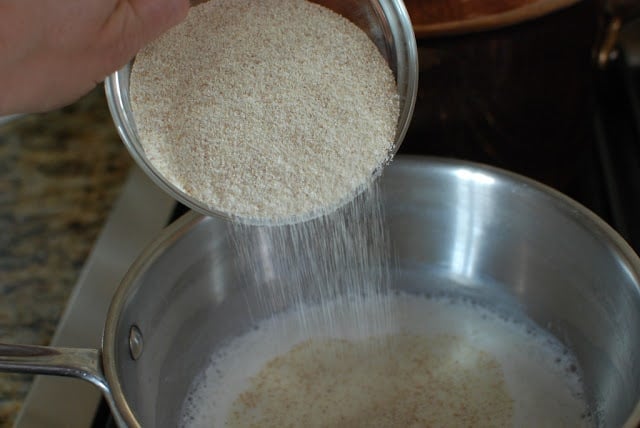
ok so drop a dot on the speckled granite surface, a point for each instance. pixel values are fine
(60, 172)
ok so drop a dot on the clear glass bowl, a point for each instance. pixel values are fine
(387, 24)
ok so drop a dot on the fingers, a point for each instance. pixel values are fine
(71, 48)
(132, 25)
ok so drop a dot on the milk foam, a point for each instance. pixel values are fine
(539, 377)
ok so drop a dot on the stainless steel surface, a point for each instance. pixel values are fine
(139, 214)
(500, 240)
(71, 362)
(385, 21)
(136, 344)
(85, 364)
(457, 228)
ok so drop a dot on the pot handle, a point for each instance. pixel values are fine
(80, 363)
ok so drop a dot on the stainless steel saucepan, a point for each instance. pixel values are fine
(480, 232)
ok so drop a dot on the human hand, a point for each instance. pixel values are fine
(54, 51)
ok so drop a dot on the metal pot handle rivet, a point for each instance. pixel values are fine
(136, 344)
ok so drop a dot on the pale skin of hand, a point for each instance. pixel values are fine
(54, 51)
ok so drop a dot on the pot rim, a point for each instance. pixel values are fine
(172, 233)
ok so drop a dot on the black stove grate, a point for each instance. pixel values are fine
(617, 131)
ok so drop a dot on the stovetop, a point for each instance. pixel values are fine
(608, 183)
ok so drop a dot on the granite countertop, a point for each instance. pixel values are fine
(60, 172)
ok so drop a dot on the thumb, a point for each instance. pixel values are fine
(133, 24)
(157, 16)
